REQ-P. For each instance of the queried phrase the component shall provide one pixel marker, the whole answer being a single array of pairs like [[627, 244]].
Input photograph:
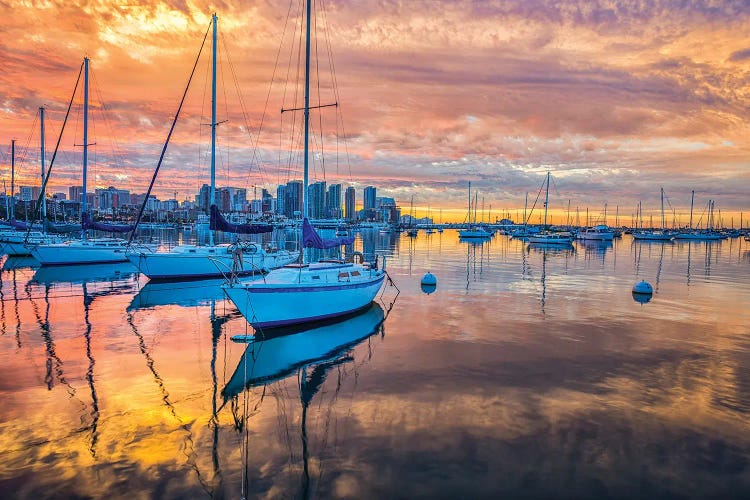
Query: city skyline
[[616, 102]]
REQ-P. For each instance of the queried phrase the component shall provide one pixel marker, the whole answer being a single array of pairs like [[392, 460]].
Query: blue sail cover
[[311, 239], [61, 227], [219, 223], [87, 223], [19, 224]]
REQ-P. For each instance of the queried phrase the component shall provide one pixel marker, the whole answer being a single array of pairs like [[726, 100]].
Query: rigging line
[[114, 145], [202, 146], [326, 38], [243, 108], [224, 161], [23, 153], [169, 136], [57, 146], [286, 87], [538, 194], [273, 78], [557, 192], [297, 87], [320, 115], [337, 96]]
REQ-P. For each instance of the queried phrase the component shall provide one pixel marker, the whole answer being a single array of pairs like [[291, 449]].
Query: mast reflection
[[310, 353]]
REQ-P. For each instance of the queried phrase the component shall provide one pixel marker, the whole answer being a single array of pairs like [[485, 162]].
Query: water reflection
[[311, 354], [548, 251], [546, 373], [20, 263], [177, 293], [594, 249], [120, 279], [93, 273], [476, 253]]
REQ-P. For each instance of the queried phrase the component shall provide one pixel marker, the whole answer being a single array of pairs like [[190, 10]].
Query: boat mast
[[411, 212], [525, 203], [44, 197], [84, 208], [546, 200], [662, 209], [692, 200], [307, 111], [640, 213], [212, 201], [12, 179], [476, 202], [468, 215], [605, 214]]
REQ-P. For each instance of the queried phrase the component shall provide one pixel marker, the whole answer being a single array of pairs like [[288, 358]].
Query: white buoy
[[643, 287]]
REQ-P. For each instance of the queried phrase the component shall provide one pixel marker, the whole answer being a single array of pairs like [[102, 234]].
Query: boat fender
[[354, 256]]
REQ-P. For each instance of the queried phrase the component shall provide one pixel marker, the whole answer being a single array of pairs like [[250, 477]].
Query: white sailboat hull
[[287, 300], [551, 240], [699, 236], [596, 236], [196, 262], [14, 244], [653, 236], [93, 251], [474, 233]]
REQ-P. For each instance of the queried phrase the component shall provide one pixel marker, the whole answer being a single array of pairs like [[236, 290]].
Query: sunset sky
[[615, 98]]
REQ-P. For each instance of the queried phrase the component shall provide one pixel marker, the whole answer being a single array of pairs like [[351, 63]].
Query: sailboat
[[655, 235], [693, 234], [412, 231], [309, 291], [85, 250], [548, 237], [600, 232], [213, 260], [473, 232], [19, 240]]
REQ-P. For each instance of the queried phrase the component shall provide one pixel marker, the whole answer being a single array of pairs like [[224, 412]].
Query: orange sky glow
[[615, 98]]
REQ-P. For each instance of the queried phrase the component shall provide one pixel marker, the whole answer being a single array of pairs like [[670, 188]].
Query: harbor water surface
[[529, 372]]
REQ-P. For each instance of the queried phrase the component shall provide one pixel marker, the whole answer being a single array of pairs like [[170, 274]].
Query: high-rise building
[[333, 202], [280, 197], [111, 197], [75, 193], [203, 197], [387, 209], [350, 203], [239, 199], [26, 193], [225, 197], [267, 200], [293, 199], [316, 200], [370, 197]]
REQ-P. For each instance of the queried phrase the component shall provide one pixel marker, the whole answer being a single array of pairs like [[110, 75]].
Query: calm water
[[530, 372]]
